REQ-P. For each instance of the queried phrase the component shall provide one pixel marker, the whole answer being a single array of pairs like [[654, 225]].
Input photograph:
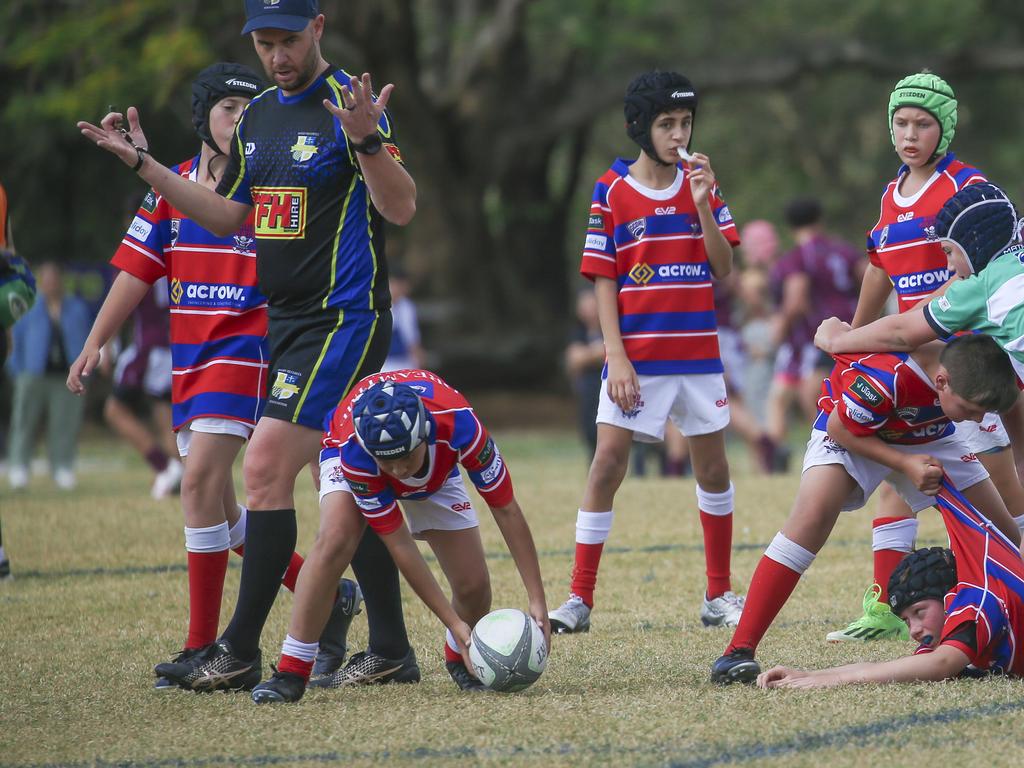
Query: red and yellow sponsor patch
[[393, 150], [280, 212]]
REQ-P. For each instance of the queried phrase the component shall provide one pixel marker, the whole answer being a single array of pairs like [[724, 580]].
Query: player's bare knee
[[608, 467]]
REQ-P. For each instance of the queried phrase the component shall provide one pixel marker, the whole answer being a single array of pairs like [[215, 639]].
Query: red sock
[[886, 561], [295, 666], [292, 574], [770, 587], [450, 655], [584, 571], [717, 552], [205, 588]]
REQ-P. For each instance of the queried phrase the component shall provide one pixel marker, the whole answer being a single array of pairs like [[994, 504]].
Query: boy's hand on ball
[[539, 612], [463, 636]]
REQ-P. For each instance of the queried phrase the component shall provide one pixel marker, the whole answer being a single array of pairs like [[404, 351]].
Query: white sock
[[212, 539], [237, 532], [298, 649], [593, 527], [718, 504], [898, 535], [790, 554]]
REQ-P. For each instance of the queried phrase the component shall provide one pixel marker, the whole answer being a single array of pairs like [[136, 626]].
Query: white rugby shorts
[[211, 426], [987, 437], [960, 463], [447, 509], [696, 402]]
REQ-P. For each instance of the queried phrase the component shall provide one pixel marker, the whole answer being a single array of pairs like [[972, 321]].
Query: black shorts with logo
[[316, 358]]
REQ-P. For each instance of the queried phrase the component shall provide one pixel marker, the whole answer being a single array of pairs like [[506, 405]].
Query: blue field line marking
[[145, 570], [717, 755]]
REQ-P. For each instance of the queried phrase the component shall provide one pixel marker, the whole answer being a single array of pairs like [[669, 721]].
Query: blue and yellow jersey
[[320, 241]]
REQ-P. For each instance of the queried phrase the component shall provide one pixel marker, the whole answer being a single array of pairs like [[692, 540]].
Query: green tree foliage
[[507, 110]]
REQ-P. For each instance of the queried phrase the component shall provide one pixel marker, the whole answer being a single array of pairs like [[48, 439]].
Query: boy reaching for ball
[[884, 416], [398, 438]]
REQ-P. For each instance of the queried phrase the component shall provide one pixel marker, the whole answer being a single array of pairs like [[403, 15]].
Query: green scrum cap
[[932, 94]]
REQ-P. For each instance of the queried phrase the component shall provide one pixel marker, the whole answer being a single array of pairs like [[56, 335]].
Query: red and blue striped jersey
[[218, 315], [990, 587], [650, 242], [899, 244], [886, 395], [456, 437]]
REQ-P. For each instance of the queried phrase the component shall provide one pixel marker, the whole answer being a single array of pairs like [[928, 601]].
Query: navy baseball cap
[[292, 15]]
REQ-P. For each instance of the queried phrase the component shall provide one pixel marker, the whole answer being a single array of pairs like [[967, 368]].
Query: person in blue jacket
[[45, 341]]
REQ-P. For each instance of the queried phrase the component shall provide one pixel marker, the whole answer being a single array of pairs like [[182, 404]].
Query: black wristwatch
[[370, 145]]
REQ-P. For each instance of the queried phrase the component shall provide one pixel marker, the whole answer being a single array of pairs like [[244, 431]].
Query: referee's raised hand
[[361, 112], [128, 144]]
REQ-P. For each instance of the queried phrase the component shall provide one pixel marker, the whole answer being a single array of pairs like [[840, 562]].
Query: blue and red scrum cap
[[390, 420]]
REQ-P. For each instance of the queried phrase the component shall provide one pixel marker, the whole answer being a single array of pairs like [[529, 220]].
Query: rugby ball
[[507, 650]]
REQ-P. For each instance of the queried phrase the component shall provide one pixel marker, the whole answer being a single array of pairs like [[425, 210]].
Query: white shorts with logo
[[211, 426], [987, 437], [696, 402], [957, 459], [447, 509]]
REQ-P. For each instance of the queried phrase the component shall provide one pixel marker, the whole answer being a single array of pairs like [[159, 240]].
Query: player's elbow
[[400, 214]]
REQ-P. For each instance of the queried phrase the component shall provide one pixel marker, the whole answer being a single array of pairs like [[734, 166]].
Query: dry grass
[[99, 596]]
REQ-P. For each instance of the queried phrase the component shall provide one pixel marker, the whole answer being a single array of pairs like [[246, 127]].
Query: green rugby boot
[[877, 623]]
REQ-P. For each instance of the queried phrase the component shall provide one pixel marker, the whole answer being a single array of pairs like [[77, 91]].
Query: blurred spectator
[[819, 277], [584, 359], [46, 340], [759, 244], [406, 350], [758, 339], [139, 407]]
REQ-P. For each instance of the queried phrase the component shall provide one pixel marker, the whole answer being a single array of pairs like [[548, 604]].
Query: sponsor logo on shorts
[[304, 147], [638, 406], [968, 458], [722, 403], [943, 303], [831, 446], [462, 506], [140, 228], [866, 390], [149, 201], [337, 475], [280, 212], [641, 273], [596, 221], [989, 428], [637, 227], [285, 386], [596, 242]]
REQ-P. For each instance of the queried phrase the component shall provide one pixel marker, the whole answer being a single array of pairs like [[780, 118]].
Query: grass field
[[99, 596]]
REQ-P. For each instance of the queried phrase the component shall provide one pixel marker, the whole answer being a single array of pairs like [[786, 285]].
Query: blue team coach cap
[[292, 15]]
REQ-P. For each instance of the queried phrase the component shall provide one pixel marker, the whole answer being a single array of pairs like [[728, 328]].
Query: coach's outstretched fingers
[[110, 135]]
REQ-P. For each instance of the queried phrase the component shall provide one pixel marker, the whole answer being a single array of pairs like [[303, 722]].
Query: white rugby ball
[[508, 650]]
